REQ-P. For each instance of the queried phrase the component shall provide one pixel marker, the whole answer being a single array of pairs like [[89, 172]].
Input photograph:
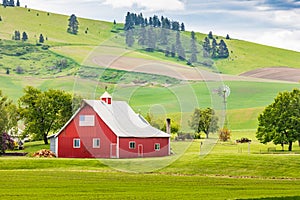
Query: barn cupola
[[106, 97]]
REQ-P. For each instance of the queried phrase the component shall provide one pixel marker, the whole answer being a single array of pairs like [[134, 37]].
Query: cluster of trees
[[10, 3], [17, 36], [42, 112], [213, 49], [152, 39], [280, 121], [133, 19]]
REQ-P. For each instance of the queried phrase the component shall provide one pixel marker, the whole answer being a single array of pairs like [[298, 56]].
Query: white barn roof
[[123, 121]]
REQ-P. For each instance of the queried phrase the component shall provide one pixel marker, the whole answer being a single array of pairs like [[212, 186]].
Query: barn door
[[140, 150], [113, 150]]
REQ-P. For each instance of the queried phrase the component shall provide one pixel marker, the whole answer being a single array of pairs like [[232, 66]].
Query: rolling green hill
[[65, 62]]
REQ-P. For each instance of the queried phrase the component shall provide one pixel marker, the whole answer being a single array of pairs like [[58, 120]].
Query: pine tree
[[142, 37], [163, 36], [17, 35], [41, 38], [129, 22], [24, 36], [182, 27], [206, 47], [194, 50], [73, 25], [214, 48], [175, 26], [223, 50], [179, 48], [18, 3], [173, 50], [227, 37], [5, 3], [151, 40], [129, 38], [210, 35], [11, 3]]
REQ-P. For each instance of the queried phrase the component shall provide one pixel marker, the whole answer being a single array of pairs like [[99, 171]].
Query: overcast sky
[[270, 22]]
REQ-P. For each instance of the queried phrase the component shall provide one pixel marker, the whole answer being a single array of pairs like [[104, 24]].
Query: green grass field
[[227, 172]]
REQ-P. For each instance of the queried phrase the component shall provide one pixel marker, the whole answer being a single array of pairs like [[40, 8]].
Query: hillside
[[151, 82], [244, 56]]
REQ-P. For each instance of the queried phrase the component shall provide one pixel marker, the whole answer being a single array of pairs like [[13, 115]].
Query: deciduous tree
[[44, 112], [280, 121], [204, 120]]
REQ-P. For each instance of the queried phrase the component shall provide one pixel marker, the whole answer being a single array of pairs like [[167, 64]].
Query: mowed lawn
[[229, 171]]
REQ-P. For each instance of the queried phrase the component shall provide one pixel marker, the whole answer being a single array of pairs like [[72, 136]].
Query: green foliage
[[224, 134], [41, 38], [44, 112], [8, 114], [204, 120], [73, 25], [280, 121]]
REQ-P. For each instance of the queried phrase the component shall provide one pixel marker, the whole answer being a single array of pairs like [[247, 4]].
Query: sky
[[270, 22]]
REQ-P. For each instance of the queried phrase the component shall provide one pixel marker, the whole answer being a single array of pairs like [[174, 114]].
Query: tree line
[[10, 3], [213, 49], [133, 19]]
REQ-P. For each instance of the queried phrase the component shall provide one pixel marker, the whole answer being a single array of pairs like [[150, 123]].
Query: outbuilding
[[108, 129]]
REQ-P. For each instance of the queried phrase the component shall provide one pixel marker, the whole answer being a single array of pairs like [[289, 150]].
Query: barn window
[[156, 146], [76, 143], [96, 142], [131, 145], [86, 120]]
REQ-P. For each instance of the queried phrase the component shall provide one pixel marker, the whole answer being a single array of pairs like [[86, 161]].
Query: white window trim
[[76, 147], [134, 144], [158, 146], [94, 146]]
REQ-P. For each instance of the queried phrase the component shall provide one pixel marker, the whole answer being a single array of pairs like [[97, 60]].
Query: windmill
[[224, 91]]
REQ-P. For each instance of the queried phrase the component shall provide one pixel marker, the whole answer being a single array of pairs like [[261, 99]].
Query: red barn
[[108, 129]]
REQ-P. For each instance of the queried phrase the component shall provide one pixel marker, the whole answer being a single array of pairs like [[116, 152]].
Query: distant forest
[[164, 35]]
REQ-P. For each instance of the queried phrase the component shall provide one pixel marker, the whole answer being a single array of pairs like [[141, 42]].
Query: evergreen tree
[[11, 3], [150, 21], [163, 36], [210, 35], [175, 26], [151, 40], [227, 37], [167, 51], [24, 36], [0, 19], [73, 25], [17, 35], [206, 47], [214, 48], [114, 22], [41, 38], [223, 50], [182, 27], [128, 22], [18, 3], [173, 50], [156, 21], [5, 3], [142, 38], [179, 48], [129, 38], [194, 50]]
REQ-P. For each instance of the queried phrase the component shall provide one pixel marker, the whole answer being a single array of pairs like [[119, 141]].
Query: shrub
[[224, 134]]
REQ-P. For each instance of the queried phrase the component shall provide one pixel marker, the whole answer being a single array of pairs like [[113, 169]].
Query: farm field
[[225, 173]]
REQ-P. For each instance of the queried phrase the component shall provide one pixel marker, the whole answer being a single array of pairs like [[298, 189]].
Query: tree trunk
[[282, 147], [290, 146], [206, 135], [45, 139], [299, 142]]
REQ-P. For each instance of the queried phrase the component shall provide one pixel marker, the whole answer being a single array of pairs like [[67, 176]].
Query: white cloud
[[153, 5]]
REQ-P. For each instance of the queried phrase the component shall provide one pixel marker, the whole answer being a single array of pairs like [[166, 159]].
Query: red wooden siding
[[86, 135], [146, 145]]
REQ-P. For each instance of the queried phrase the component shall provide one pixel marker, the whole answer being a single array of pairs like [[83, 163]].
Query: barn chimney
[[106, 97], [168, 125]]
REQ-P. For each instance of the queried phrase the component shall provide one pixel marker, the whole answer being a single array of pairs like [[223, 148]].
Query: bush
[[224, 134]]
